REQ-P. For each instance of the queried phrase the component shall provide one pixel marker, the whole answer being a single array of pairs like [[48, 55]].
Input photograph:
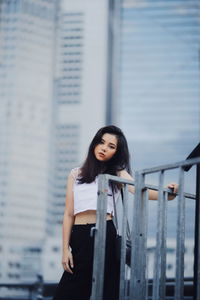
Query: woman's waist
[[88, 217]]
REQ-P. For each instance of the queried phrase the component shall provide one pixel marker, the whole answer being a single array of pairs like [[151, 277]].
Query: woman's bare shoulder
[[75, 172], [124, 174]]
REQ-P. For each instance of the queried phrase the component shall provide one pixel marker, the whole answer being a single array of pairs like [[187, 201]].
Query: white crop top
[[85, 195]]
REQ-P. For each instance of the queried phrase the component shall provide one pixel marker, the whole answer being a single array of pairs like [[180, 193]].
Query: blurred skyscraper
[[53, 76], [159, 93], [26, 71], [157, 102], [80, 88]]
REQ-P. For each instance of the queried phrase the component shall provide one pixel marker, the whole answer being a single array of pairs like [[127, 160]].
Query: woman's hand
[[67, 261], [174, 187]]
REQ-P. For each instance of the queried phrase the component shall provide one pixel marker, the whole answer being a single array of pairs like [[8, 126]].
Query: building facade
[[80, 85], [27, 38], [158, 104]]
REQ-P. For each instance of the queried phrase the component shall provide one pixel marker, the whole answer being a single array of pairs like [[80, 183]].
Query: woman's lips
[[101, 154]]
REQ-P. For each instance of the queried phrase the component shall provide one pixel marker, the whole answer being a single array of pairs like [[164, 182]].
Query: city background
[[66, 69]]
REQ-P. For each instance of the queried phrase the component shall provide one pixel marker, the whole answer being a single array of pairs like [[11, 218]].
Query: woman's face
[[106, 148]]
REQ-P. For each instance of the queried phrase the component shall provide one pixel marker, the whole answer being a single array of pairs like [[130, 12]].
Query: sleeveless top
[[86, 194]]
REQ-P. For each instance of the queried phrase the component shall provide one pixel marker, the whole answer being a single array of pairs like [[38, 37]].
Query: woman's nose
[[103, 148]]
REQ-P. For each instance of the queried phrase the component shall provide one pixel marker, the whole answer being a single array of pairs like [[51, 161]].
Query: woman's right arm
[[68, 221]]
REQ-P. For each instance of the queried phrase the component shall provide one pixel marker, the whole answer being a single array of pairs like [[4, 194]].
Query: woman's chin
[[100, 158]]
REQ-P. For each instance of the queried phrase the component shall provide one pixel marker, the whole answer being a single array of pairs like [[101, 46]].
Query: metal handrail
[[138, 286], [184, 163]]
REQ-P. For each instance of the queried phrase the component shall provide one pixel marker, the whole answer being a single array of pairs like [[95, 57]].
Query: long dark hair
[[120, 160]]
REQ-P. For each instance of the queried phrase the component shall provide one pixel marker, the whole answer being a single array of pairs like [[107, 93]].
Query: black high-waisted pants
[[77, 286]]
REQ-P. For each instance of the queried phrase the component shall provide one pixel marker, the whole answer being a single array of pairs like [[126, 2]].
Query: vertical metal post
[[159, 277], [180, 240], [145, 223], [163, 248], [100, 238], [138, 257], [123, 246], [197, 238], [135, 268]]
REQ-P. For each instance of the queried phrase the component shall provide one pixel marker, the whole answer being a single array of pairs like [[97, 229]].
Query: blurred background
[[68, 68]]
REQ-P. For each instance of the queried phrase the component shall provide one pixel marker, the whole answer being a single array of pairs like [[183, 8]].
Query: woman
[[108, 154]]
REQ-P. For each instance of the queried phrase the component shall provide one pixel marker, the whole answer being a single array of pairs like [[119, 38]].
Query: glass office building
[[159, 106], [53, 80], [79, 88], [80, 84], [26, 66], [158, 103]]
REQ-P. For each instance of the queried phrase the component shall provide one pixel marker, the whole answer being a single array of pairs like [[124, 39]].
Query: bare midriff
[[88, 217]]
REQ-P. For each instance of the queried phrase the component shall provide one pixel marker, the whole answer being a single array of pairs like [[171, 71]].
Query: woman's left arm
[[153, 195]]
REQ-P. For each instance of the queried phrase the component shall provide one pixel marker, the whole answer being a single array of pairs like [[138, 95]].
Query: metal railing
[[137, 288]]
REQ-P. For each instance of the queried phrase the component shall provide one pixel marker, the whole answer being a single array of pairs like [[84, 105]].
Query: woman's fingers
[[68, 264], [173, 186], [66, 267], [71, 262]]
